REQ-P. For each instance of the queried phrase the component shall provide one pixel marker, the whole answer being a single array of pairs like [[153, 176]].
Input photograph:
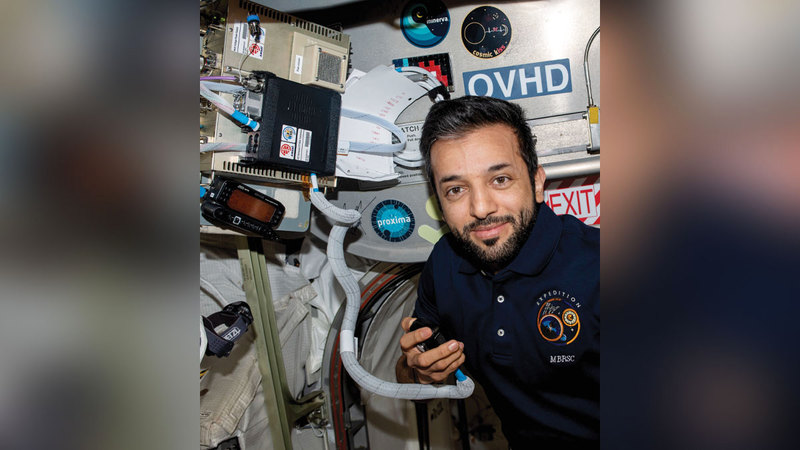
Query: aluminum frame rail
[[282, 409]]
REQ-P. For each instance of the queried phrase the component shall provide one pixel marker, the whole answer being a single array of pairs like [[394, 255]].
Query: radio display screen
[[251, 206]]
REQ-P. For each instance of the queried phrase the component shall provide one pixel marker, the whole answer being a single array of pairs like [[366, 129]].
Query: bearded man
[[515, 286]]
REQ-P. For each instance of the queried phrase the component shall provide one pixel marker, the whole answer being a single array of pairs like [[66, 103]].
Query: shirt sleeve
[[425, 307]]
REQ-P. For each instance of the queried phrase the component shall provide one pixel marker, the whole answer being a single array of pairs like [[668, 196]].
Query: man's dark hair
[[455, 118]]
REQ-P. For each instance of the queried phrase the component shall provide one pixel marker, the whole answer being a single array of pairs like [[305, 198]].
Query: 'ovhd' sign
[[526, 80]]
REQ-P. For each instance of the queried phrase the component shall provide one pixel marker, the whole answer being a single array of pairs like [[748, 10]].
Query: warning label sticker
[[242, 42], [303, 145], [287, 150], [295, 143]]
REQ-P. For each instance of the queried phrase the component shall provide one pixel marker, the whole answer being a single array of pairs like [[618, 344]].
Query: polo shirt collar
[[537, 250]]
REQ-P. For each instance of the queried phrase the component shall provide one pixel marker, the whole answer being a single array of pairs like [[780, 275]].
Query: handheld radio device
[[436, 339], [233, 205]]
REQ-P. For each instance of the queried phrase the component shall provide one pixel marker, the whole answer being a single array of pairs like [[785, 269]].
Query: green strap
[[282, 410]]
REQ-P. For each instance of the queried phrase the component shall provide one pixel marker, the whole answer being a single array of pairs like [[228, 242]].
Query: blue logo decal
[[392, 220], [288, 133], [525, 80], [425, 23]]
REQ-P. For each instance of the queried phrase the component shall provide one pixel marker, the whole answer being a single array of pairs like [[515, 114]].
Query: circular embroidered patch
[[558, 321]]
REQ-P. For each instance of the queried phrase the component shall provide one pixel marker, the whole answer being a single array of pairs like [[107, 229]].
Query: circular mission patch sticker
[[393, 221]]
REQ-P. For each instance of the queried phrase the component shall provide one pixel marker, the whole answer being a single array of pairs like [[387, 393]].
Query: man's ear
[[538, 184]]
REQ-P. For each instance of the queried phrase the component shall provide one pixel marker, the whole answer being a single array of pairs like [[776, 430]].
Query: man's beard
[[496, 256]]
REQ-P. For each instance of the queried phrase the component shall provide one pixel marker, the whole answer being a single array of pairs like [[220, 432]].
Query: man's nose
[[483, 203]]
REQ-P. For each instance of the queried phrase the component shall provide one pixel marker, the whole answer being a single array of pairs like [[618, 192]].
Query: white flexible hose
[[218, 101], [430, 81], [224, 87], [222, 146], [366, 147], [408, 162], [223, 105], [343, 220], [203, 340]]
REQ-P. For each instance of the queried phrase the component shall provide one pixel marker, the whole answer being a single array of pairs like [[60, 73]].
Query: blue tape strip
[[244, 120]]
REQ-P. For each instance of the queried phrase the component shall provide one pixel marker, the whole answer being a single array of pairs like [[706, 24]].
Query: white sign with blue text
[[525, 80]]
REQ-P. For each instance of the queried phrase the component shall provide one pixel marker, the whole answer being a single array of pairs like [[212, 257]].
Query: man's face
[[485, 193]]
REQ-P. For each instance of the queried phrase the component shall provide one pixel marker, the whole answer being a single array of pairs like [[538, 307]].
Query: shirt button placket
[[500, 331]]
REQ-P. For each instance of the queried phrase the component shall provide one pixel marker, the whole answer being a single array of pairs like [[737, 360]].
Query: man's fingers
[[449, 366], [456, 364], [443, 365], [436, 364], [443, 351], [406, 323], [410, 340]]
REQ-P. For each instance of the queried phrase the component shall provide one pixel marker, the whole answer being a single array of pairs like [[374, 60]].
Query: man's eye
[[455, 190], [502, 180]]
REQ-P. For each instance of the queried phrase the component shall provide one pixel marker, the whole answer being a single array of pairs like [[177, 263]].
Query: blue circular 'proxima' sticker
[[393, 221]]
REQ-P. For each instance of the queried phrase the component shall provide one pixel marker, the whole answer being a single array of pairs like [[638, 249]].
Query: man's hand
[[433, 366]]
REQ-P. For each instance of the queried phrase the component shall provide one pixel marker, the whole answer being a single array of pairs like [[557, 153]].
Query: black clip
[[436, 339], [228, 444], [441, 89], [241, 309]]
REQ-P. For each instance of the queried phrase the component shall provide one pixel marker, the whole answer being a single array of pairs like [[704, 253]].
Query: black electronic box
[[299, 127]]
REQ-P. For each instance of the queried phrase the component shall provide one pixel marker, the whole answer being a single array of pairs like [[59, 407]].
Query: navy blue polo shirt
[[531, 332]]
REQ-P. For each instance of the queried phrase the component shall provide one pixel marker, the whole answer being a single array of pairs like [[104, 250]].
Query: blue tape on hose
[[244, 120], [460, 375]]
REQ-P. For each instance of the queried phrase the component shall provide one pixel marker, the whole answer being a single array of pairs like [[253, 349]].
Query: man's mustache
[[491, 220]]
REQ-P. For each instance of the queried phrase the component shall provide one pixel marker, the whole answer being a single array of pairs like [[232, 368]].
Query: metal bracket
[[283, 410]]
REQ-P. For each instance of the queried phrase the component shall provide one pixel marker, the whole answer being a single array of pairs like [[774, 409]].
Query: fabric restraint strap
[[237, 317]]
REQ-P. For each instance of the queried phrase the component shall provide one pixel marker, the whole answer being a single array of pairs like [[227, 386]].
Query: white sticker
[[298, 64], [288, 133], [256, 50], [290, 199], [413, 132], [286, 151], [242, 42], [239, 38], [303, 145]]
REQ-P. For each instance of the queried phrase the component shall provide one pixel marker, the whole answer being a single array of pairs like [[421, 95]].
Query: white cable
[[415, 163], [343, 220], [203, 340], [223, 87], [218, 101], [223, 105], [428, 82], [366, 147], [222, 147]]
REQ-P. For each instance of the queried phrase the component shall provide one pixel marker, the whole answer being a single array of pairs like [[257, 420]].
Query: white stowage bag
[[231, 387], [231, 395], [226, 392]]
